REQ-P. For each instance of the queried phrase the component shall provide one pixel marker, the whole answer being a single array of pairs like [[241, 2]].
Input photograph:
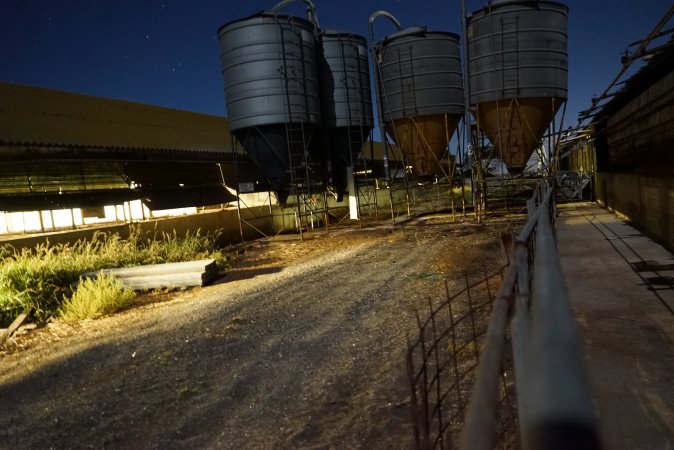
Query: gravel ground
[[301, 345]]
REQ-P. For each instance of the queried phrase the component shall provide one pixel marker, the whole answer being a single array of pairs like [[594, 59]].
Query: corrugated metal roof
[[31, 115]]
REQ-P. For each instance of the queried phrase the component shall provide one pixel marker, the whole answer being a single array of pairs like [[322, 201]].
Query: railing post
[[519, 327]]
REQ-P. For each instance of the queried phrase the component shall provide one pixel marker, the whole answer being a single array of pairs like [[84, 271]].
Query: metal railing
[[529, 389], [554, 402]]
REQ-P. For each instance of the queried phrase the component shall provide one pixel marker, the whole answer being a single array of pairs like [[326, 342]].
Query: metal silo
[[518, 73], [346, 99], [421, 94], [272, 94]]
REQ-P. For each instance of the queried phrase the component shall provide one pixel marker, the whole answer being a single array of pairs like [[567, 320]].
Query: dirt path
[[301, 346]]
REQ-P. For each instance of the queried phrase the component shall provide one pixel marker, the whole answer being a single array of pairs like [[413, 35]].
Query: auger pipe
[[311, 10], [377, 75]]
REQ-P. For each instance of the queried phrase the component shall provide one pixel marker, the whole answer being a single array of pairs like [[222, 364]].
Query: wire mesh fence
[[473, 344], [442, 363]]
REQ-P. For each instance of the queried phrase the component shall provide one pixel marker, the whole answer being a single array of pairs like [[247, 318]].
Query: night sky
[[165, 52]]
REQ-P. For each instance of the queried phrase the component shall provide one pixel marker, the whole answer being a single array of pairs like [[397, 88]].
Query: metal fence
[[504, 369], [442, 363]]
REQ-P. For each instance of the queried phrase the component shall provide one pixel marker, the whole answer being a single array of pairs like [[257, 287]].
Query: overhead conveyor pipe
[[386, 14], [377, 75], [311, 10]]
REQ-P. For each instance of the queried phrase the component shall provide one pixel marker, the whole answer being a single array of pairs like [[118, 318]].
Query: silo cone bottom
[[521, 122], [423, 141]]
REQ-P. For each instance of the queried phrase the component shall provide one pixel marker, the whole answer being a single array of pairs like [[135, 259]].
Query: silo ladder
[[510, 47]]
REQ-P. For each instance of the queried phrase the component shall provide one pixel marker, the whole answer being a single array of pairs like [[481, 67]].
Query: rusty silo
[[517, 53], [346, 99], [421, 93], [272, 93]]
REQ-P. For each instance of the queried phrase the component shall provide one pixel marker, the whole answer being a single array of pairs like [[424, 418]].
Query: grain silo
[[421, 94], [346, 99], [272, 94], [517, 53]]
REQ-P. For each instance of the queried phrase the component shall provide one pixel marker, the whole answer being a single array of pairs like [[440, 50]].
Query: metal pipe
[[388, 15], [519, 331], [466, 79], [554, 398], [311, 10], [377, 76], [559, 401], [477, 179]]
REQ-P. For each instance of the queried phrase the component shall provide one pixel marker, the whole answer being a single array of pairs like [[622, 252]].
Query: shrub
[[42, 277], [95, 297]]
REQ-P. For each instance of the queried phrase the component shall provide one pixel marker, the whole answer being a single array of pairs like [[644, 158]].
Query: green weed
[[40, 279], [95, 297]]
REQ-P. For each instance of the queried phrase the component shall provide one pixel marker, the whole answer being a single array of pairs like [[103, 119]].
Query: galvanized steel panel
[[269, 70], [345, 80], [420, 74], [517, 50]]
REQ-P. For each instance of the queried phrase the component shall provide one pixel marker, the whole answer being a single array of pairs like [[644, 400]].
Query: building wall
[[646, 200], [225, 221], [582, 159], [634, 140], [256, 220], [640, 134]]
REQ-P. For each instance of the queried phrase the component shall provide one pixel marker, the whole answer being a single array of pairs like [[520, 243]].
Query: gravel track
[[301, 346]]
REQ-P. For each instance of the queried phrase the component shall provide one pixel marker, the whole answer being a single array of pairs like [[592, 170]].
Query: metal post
[[468, 135], [6, 216], [376, 200], [39, 213], [299, 214], [232, 143], [326, 215], [72, 218], [238, 211], [380, 109], [520, 332], [377, 78], [271, 212]]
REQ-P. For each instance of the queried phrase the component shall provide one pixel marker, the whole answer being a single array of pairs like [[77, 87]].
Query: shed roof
[[37, 116], [659, 64]]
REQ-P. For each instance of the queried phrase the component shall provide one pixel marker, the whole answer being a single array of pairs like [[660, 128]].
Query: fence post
[[519, 327]]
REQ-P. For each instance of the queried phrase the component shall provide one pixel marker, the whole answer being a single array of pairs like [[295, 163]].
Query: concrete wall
[[257, 221], [646, 200]]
